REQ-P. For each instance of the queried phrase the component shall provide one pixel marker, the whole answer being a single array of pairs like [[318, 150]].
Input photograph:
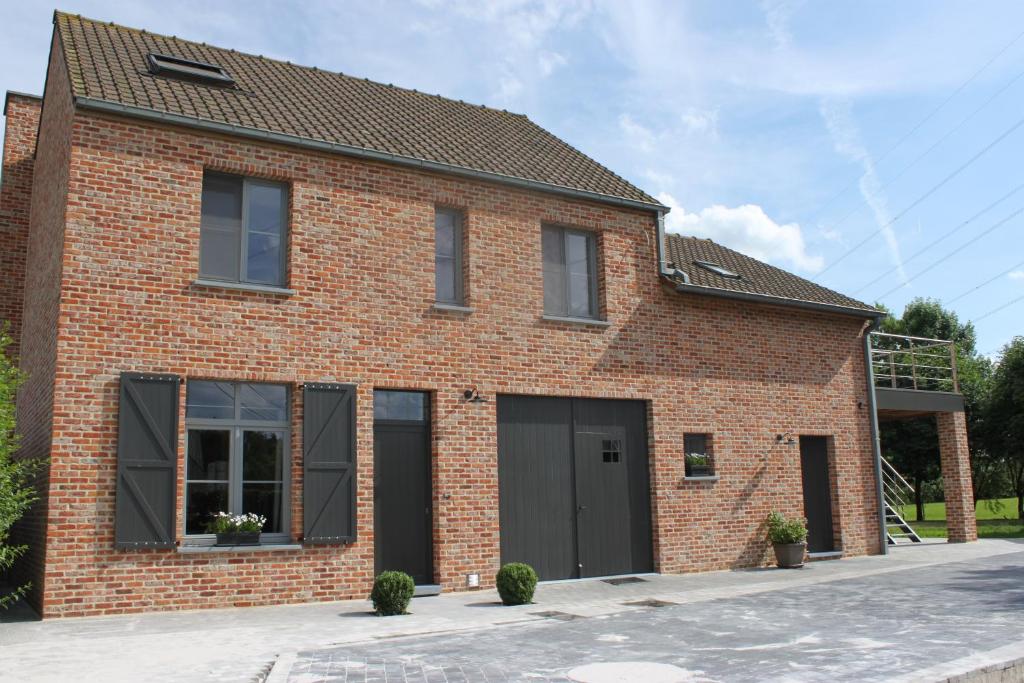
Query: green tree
[[912, 445], [16, 490], [1004, 425]]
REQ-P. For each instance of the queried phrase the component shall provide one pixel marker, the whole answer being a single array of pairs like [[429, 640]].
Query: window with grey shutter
[[570, 272], [329, 463], [147, 458], [242, 236]]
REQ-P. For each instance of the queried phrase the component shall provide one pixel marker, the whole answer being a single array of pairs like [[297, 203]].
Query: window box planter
[[238, 538]]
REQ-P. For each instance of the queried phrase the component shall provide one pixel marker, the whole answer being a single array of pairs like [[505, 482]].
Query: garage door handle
[[581, 508]]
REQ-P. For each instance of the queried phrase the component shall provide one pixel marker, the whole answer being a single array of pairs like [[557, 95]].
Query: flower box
[[238, 538]]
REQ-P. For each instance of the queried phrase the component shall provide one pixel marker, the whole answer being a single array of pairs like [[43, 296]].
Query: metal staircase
[[897, 493]]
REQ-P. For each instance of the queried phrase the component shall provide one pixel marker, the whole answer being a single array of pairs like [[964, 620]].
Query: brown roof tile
[[108, 62], [756, 278]]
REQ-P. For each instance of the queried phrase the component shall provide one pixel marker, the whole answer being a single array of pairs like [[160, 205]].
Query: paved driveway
[[860, 618], [863, 629]]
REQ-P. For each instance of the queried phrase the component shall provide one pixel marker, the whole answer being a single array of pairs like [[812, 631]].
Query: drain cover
[[624, 672], [624, 579], [561, 616], [650, 603]]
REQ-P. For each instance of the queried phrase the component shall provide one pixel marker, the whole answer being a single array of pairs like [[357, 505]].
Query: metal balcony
[[914, 375]]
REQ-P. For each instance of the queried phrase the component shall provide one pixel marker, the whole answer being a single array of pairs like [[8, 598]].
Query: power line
[[998, 308], [956, 251], [986, 282], [935, 188], [927, 118], [947, 235]]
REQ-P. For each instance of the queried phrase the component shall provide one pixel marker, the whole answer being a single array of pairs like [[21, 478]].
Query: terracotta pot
[[789, 555]]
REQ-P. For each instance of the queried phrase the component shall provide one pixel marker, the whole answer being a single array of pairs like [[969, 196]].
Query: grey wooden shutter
[[147, 461], [329, 463]]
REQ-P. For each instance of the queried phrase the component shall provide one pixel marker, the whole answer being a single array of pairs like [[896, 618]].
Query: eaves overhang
[[821, 307], [209, 125]]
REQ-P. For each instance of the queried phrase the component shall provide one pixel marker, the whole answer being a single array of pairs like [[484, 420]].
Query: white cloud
[[847, 142], [1017, 275], [547, 62], [777, 14], [638, 135], [700, 121], [747, 229]]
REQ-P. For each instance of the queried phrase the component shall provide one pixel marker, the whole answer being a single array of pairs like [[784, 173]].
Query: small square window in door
[[611, 450]]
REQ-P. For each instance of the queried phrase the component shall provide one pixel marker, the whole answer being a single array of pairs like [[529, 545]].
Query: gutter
[[686, 288], [360, 152], [876, 443]]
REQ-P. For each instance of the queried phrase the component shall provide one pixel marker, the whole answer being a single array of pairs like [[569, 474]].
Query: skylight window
[[718, 270], [176, 67]]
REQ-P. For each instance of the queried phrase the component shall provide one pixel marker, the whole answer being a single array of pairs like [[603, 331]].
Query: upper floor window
[[448, 287], [243, 230], [570, 272]]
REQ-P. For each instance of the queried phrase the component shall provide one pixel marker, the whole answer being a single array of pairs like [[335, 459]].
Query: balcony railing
[[915, 363]]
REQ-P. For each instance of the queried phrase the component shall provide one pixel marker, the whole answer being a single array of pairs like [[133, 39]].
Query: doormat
[[625, 579], [560, 616], [650, 603]]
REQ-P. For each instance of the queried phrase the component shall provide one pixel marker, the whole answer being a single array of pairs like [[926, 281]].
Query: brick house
[[414, 333]]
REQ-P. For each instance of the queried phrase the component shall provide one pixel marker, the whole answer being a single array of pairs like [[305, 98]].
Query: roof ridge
[[285, 62]]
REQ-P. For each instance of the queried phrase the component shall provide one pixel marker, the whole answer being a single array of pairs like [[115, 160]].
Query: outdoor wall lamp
[[786, 438], [472, 395]]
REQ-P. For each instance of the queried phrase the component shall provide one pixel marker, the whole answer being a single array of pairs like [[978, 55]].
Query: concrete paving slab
[[242, 644]]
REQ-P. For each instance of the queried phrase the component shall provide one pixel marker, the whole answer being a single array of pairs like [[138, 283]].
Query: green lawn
[[996, 519]]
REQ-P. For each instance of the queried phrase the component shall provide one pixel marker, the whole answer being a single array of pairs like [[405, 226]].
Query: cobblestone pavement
[[860, 629]]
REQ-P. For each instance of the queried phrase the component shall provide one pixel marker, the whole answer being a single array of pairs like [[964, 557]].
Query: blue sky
[[793, 131]]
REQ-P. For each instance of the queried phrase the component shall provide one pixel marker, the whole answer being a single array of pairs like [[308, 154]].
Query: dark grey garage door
[[574, 486]]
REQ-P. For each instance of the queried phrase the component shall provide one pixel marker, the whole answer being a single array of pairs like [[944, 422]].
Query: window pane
[[554, 272], [695, 443], [210, 400], [262, 456], [267, 402], [578, 249], [444, 280], [263, 263], [221, 226], [444, 239], [266, 208], [399, 405], [266, 500], [208, 454], [202, 502]]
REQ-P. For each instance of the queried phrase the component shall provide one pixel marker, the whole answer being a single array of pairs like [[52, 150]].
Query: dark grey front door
[[574, 486], [402, 500], [817, 493]]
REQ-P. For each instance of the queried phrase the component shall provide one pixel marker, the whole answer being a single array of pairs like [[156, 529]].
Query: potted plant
[[698, 465], [237, 529], [788, 536]]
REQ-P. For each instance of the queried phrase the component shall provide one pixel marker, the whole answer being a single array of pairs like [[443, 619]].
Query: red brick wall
[[21, 124], [40, 320], [361, 264], [955, 456]]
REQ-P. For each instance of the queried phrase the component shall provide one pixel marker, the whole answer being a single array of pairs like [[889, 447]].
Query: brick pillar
[[956, 477]]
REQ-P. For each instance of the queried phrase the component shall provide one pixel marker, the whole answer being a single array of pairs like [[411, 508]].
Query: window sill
[[454, 308], [704, 477], [576, 321], [243, 287], [263, 547]]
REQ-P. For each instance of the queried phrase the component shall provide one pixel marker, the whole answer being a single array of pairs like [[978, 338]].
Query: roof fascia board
[[778, 301], [361, 152]]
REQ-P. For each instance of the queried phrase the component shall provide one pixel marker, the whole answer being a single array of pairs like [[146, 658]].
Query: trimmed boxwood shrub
[[391, 593], [516, 583]]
